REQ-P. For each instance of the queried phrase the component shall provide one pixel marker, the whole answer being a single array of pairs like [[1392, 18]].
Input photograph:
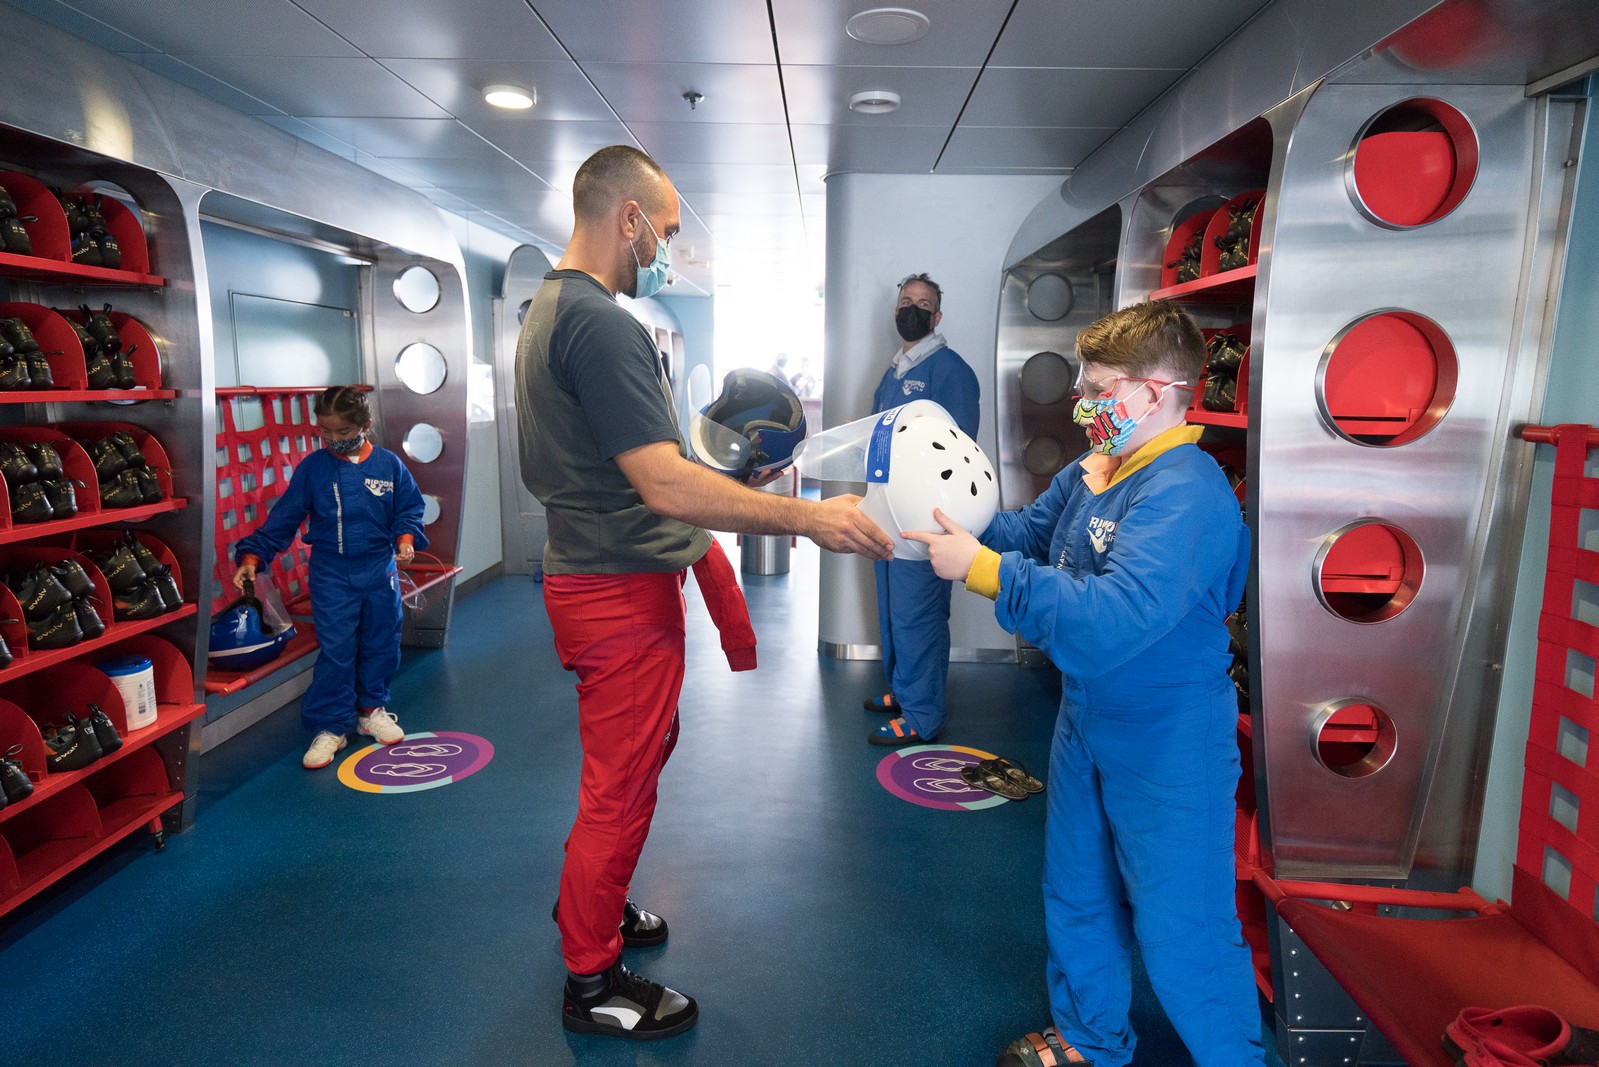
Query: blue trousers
[[358, 622], [913, 617], [1139, 847]]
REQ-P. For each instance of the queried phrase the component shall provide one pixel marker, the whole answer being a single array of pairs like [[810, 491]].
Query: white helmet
[[918, 460]]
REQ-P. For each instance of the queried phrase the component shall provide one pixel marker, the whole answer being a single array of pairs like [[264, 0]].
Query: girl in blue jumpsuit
[[1124, 572], [365, 512]]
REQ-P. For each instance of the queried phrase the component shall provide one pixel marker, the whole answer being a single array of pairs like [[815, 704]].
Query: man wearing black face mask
[[912, 601]]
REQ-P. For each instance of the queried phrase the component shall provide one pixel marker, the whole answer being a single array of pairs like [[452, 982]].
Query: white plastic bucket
[[134, 677]]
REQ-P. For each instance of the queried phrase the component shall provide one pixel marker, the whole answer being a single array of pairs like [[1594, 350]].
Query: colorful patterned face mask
[[1107, 420]]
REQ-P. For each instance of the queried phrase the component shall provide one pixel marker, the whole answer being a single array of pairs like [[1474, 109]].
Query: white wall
[[880, 228]]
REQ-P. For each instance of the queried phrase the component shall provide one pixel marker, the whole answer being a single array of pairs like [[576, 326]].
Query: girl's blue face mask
[[652, 278], [347, 447]]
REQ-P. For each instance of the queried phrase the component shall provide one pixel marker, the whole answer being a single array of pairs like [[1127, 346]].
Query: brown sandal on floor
[[993, 781], [1040, 1050], [1015, 772]]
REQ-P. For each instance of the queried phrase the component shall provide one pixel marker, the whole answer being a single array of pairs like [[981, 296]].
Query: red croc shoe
[[1530, 1031]]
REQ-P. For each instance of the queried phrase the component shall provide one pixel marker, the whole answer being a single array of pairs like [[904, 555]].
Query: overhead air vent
[[887, 25]]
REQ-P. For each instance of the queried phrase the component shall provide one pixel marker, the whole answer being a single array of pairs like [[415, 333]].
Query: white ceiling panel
[[204, 84], [88, 27], [1091, 33], [761, 205], [407, 138], [649, 31], [395, 85], [184, 27], [315, 86], [562, 93], [929, 96], [873, 149], [428, 29], [713, 142], [654, 92], [959, 33], [1034, 96], [744, 178], [525, 137], [977, 149]]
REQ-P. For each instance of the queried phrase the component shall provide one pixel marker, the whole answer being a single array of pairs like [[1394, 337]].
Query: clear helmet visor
[[717, 446]]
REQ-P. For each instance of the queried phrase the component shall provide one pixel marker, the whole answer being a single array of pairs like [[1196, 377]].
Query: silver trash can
[[764, 553]]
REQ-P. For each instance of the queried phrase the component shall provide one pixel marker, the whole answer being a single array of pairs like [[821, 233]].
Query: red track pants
[[623, 635]]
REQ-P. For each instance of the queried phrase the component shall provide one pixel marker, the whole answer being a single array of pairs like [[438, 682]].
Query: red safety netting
[[1559, 836], [253, 470], [1411, 976]]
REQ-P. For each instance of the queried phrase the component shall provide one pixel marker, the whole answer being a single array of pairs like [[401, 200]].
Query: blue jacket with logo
[[940, 376], [1128, 590], [356, 512]]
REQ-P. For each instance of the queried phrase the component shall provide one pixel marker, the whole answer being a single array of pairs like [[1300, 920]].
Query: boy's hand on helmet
[[952, 551], [245, 573], [838, 526]]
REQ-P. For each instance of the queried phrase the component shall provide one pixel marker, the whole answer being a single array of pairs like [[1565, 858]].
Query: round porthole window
[[1044, 456], [1049, 297], [1353, 738], [1413, 164], [424, 443], [417, 289], [1387, 379], [430, 509], [521, 311], [1046, 378], [1368, 571], [421, 367]]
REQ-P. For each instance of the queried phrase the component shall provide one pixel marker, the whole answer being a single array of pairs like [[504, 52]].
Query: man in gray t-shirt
[[627, 510]]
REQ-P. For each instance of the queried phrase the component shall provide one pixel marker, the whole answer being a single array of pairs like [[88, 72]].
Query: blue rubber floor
[[817, 918]]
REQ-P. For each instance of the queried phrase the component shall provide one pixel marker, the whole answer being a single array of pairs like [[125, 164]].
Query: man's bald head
[[613, 175]]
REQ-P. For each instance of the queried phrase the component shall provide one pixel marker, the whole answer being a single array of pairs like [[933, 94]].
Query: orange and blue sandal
[[1040, 1050], [886, 702], [896, 732]]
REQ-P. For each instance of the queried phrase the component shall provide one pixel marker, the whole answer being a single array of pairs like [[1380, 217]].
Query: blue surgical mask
[[653, 277]]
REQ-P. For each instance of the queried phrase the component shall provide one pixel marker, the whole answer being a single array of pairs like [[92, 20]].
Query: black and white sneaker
[[629, 1006]]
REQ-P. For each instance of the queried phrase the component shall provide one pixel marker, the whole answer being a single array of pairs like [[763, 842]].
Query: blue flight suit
[[1127, 590], [912, 601], [357, 511]]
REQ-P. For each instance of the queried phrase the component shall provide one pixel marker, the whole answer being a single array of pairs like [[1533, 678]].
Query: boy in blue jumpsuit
[[366, 513], [1124, 572], [912, 601]]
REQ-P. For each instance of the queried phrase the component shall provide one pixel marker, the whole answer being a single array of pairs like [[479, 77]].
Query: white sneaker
[[323, 746], [381, 726]]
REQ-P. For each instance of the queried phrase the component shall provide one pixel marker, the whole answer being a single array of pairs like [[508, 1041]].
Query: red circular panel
[[1387, 379], [1414, 163]]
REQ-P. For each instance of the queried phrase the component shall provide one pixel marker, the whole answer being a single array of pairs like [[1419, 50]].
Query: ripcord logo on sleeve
[[1101, 532]]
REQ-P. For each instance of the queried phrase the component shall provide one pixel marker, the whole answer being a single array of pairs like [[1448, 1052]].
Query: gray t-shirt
[[589, 387]]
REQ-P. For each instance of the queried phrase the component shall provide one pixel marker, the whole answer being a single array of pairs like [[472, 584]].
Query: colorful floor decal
[[930, 775], [421, 761]]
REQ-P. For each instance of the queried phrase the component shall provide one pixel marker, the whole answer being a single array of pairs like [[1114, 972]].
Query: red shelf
[[1228, 287], [114, 632], [42, 867], [1217, 418], [169, 717], [15, 266], [45, 396], [28, 531]]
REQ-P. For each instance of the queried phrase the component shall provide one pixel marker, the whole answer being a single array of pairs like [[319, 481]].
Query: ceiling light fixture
[[511, 97], [887, 25], [874, 101]]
